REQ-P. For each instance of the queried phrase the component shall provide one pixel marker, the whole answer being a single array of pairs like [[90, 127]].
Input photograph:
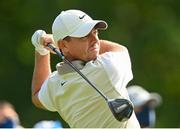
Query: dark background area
[[150, 29]]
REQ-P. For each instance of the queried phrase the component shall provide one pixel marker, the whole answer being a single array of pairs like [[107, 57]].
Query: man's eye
[[93, 32], [96, 32], [84, 37]]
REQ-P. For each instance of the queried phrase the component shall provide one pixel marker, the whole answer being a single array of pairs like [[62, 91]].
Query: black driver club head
[[122, 109]]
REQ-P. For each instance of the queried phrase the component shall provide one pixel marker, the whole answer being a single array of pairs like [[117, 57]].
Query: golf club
[[121, 108]]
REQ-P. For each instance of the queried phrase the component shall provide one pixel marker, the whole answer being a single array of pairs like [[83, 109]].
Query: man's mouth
[[94, 48]]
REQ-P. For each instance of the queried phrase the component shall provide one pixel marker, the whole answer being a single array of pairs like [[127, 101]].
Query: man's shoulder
[[54, 76], [110, 54]]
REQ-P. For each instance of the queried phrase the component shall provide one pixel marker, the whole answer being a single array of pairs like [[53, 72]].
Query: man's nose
[[94, 38]]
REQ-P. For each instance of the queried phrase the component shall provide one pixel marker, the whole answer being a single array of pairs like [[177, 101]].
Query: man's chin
[[93, 57]]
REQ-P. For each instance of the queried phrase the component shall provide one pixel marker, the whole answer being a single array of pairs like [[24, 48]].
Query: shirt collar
[[64, 68]]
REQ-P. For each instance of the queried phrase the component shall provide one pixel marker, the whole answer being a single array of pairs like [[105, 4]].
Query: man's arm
[[41, 72], [107, 46], [42, 68]]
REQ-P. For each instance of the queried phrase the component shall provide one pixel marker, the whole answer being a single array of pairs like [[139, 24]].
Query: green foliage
[[149, 29]]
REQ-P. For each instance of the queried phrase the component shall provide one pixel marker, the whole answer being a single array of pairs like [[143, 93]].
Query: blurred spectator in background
[[49, 124], [8, 116], [144, 105]]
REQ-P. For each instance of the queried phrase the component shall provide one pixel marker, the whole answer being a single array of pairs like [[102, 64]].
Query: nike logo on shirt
[[62, 83]]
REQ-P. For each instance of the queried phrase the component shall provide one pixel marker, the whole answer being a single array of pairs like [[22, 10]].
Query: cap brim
[[85, 29]]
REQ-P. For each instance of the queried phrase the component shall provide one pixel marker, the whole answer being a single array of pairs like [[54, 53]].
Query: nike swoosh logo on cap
[[81, 17]]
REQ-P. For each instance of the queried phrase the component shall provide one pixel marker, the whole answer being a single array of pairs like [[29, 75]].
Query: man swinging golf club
[[88, 89]]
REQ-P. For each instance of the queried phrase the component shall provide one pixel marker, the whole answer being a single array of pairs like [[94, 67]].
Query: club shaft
[[77, 70]]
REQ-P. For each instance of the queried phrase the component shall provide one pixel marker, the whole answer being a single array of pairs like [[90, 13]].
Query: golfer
[[104, 63]]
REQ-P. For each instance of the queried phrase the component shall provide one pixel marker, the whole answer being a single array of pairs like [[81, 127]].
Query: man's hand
[[40, 39]]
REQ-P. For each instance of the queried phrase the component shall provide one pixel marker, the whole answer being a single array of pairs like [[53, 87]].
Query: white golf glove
[[38, 42]]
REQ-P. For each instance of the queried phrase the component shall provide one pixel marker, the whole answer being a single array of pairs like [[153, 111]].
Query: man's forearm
[[41, 72], [106, 46]]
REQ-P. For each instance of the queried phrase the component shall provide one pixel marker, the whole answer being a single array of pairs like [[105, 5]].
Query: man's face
[[85, 48]]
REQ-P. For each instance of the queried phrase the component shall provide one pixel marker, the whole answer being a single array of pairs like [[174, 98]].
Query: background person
[[105, 63], [48, 124], [144, 105], [8, 116]]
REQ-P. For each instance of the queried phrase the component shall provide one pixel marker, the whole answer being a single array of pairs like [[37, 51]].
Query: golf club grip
[[56, 51], [77, 70]]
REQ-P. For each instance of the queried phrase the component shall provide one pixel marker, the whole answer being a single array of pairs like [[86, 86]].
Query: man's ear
[[63, 46]]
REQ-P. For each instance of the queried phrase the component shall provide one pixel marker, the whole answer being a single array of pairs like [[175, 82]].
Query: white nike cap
[[74, 23], [139, 96]]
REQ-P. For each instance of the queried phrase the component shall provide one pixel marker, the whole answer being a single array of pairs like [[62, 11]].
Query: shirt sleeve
[[118, 67], [45, 96]]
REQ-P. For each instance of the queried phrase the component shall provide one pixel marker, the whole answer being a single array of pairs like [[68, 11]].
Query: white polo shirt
[[81, 106]]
